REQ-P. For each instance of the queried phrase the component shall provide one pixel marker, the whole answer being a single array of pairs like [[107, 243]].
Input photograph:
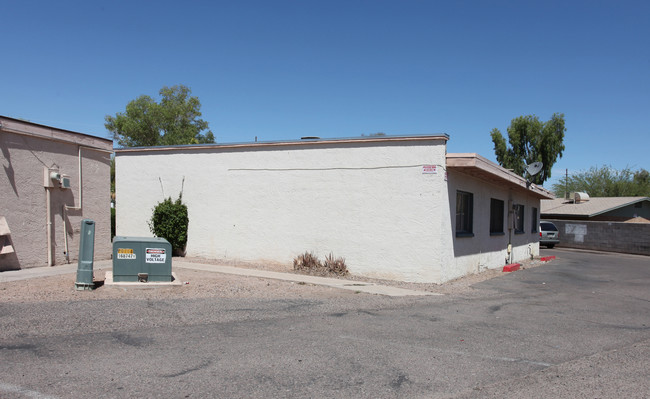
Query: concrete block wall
[[632, 238]]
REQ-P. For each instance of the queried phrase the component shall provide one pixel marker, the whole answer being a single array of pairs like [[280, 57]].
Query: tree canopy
[[175, 120], [606, 181], [531, 140]]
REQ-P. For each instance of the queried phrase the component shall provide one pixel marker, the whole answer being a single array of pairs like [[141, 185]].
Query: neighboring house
[[611, 209], [617, 224], [397, 208], [51, 180]]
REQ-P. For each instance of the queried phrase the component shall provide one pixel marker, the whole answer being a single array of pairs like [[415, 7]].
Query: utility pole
[[566, 184]]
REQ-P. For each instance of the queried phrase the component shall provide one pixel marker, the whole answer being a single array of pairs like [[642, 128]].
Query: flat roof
[[475, 165], [19, 126], [311, 141]]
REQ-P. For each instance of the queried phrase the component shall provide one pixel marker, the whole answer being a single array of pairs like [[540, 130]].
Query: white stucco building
[[394, 207]]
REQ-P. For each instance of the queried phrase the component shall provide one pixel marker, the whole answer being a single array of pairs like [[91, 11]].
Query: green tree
[[531, 140], [175, 120], [112, 175], [606, 181]]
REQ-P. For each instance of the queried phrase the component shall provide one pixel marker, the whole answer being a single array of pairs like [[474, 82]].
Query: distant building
[[396, 208], [612, 209], [51, 180], [616, 224]]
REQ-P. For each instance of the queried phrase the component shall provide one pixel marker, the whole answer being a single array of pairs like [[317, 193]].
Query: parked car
[[548, 234]]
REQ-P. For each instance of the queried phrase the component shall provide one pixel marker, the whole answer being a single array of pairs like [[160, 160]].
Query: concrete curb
[[511, 267]]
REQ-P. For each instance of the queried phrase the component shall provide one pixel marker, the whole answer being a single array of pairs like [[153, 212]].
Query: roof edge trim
[[474, 161], [292, 143]]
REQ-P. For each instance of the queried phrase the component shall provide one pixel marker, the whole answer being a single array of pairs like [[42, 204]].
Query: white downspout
[[74, 208], [48, 224]]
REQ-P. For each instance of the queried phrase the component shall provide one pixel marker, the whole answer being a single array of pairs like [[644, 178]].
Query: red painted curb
[[547, 258], [511, 267]]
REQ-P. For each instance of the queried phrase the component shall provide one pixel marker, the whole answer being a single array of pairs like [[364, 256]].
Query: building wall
[[640, 209], [483, 250], [23, 199], [631, 238], [370, 203]]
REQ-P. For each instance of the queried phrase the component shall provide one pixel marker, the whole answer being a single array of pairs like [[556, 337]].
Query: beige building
[[394, 207], [51, 180]]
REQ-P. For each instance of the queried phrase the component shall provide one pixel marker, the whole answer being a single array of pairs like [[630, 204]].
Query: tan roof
[[595, 206], [27, 128], [475, 165]]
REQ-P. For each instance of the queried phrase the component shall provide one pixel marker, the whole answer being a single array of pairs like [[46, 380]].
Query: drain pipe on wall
[[48, 225], [510, 219], [73, 208]]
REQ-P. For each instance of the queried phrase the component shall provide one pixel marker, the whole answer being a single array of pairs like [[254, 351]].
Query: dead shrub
[[308, 263], [335, 265]]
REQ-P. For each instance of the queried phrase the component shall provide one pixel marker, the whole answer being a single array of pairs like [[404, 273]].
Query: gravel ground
[[202, 284]]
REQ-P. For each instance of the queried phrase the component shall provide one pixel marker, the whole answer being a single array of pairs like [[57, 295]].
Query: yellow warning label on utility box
[[125, 253]]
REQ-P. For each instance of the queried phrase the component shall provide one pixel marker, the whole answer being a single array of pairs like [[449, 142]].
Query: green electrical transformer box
[[142, 259]]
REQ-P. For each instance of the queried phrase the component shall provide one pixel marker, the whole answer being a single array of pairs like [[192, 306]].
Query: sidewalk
[[105, 265]]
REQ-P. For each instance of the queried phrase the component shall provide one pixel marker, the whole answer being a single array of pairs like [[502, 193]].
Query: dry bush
[[336, 265], [308, 263]]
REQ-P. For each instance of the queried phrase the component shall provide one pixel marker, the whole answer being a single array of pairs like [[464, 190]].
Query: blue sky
[[286, 69]]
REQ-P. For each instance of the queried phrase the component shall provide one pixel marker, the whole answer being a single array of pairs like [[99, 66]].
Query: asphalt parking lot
[[576, 327]]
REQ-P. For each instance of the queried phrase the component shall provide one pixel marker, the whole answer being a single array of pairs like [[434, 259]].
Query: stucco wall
[[370, 203], [482, 250], [631, 238], [23, 199]]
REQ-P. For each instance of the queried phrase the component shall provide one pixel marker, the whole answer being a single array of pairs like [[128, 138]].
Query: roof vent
[[580, 197]]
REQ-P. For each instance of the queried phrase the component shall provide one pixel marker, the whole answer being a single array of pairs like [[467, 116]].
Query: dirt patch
[[204, 284]]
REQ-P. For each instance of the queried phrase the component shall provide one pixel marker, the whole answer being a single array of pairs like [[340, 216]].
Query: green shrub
[[170, 221]]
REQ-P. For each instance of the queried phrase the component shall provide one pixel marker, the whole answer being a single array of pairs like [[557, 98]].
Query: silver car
[[548, 234]]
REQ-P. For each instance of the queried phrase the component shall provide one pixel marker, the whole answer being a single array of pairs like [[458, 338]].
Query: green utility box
[[86, 255], [142, 259]]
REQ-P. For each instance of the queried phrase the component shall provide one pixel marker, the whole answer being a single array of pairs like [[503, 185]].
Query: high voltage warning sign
[[155, 255]]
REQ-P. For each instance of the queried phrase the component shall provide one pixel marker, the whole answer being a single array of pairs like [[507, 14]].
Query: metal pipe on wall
[[48, 226], [74, 208]]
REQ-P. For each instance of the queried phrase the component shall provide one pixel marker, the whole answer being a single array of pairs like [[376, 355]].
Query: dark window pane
[[496, 216], [519, 218], [464, 210]]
